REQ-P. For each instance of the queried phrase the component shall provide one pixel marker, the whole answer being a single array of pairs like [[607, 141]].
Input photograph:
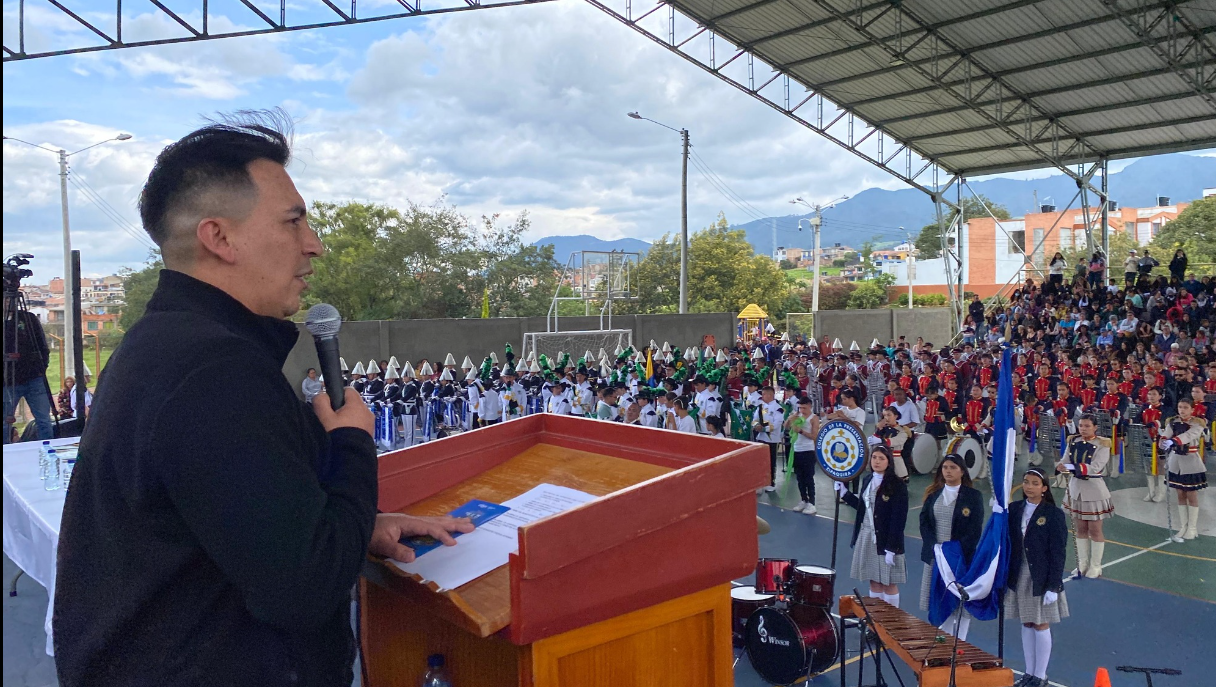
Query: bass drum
[[925, 454], [787, 646], [973, 454]]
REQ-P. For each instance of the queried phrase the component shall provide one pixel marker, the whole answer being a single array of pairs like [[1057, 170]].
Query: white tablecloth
[[31, 520]]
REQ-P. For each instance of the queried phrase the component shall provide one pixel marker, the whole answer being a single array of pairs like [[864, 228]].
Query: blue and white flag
[[985, 578]]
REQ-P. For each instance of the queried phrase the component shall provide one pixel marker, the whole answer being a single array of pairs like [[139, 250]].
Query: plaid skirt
[[1089, 510], [869, 566], [1022, 605]]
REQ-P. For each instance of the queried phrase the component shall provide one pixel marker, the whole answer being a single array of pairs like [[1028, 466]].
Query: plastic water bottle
[[69, 464], [436, 676], [51, 481], [42, 459]]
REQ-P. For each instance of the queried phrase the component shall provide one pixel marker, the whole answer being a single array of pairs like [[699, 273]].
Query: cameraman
[[29, 374]]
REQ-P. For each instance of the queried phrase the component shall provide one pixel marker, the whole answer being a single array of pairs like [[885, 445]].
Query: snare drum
[[788, 646], [743, 602], [767, 572], [812, 585], [972, 452]]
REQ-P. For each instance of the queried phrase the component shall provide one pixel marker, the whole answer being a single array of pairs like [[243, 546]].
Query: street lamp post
[[69, 325], [683, 212], [816, 222]]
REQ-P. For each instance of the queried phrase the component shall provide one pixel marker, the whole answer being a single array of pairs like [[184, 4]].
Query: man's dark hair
[[212, 159]]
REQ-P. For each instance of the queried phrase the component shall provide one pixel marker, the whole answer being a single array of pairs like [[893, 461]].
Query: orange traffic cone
[[1102, 679]]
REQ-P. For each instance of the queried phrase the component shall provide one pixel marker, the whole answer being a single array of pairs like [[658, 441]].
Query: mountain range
[[877, 214]]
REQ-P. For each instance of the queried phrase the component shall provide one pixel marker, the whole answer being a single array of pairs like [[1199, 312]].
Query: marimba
[[926, 649]]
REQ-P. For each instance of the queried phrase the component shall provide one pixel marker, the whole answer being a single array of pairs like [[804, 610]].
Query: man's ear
[[215, 237]]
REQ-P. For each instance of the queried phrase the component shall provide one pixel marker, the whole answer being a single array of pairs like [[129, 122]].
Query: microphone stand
[[958, 619]]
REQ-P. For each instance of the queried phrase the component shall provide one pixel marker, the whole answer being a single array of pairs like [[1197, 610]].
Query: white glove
[[1068, 466], [1049, 597], [840, 488], [1165, 444], [890, 557]]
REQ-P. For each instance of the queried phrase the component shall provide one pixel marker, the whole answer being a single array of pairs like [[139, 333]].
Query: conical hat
[[709, 351], [532, 354], [836, 345], [587, 356], [408, 371], [618, 351], [392, 372], [854, 346], [427, 370], [604, 371], [874, 343], [653, 346], [471, 376], [534, 367], [786, 346], [447, 375], [690, 354], [467, 364], [603, 354], [494, 357], [373, 368], [669, 357], [342, 362], [392, 361], [358, 369], [666, 347], [785, 336], [757, 354], [87, 371], [721, 358], [449, 361]]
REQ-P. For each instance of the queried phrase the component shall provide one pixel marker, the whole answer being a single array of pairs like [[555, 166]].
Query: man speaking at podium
[[215, 524]]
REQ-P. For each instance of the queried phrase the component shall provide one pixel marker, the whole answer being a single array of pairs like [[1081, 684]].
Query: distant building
[[1209, 192], [101, 303], [1011, 251]]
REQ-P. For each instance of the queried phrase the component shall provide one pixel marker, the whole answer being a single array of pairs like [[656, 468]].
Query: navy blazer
[[966, 524], [890, 512], [1043, 546]]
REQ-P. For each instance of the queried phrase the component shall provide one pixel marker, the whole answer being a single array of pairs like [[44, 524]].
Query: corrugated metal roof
[[1083, 64]]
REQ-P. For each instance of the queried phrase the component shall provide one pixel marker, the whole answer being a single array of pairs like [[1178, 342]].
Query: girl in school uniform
[[1182, 440], [1087, 497], [953, 511], [1038, 534], [878, 532]]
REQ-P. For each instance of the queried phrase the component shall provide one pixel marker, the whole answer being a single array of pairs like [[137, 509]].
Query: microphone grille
[[323, 320]]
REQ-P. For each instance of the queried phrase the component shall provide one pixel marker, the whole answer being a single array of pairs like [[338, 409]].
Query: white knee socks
[[1042, 652], [1029, 648], [877, 595], [892, 599]]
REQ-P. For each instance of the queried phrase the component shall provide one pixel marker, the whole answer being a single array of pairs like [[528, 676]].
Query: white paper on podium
[[490, 545]]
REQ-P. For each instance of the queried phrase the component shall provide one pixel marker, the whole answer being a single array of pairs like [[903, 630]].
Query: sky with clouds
[[495, 111]]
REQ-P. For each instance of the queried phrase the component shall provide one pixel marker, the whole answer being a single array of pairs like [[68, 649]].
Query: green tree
[[787, 265], [1194, 231], [868, 295], [929, 240], [139, 285], [724, 275]]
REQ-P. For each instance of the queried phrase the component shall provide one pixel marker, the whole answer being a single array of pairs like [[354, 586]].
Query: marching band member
[[976, 415], [679, 418], [559, 399], [952, 511], [1182, 439], [583, 398], [375, 386], [766, 422], [803, 427], [1151, 417], [1038, 538], [647, 415], [356, 378], [407, 405], [472, 394], [878, 531], [1087, 499], [895, 436]]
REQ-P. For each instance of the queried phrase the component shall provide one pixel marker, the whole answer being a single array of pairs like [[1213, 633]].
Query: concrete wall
[[863, 326], [434, 339]]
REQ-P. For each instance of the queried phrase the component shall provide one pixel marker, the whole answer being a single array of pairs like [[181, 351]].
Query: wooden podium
[[629, 589]]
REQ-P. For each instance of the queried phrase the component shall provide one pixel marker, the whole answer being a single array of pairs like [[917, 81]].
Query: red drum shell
[[813, 585], [743, 602], [768, 569]]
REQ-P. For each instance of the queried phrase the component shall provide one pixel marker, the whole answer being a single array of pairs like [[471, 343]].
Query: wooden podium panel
[[628, 589]]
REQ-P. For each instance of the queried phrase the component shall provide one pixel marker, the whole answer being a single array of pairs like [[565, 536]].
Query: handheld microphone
[[323, 322]]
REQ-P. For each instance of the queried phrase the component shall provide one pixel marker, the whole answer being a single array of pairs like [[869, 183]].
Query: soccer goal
[[552, 344]]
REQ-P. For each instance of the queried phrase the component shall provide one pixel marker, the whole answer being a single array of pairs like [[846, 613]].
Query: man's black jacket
[[212, 530]]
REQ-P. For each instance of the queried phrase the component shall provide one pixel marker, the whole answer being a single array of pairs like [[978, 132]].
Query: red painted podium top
[[676, 514]]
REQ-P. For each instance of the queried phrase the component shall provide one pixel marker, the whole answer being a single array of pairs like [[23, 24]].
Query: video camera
[[14, 271]]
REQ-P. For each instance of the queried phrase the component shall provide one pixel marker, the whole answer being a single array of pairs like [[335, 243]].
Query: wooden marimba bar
[[926, 649]]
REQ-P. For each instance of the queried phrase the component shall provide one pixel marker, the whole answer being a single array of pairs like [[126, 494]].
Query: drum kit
[[783, 621]]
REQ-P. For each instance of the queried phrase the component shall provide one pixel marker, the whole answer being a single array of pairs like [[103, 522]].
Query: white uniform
[[685, 424], [559, 404], [517, 393], [490, 405], [773, 416], [583, 401], [649, 417]]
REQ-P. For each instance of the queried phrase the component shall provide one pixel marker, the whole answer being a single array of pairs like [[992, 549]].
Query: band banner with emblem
[[985, 577], [842, 449]]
